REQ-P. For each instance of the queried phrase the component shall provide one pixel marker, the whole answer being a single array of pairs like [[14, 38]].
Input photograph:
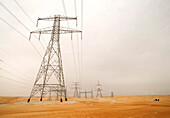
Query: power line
[[12, 73], [24, 12], [13, 80], [79, 50], [21, 35], [74, 58], [14, 68], [77, 42], [78, 56], [71, 41], [81, 59], [81, 56], [40, 42], [16, 60], [75, 8], [28, 18], [64, 7], [82, 14], [13, 27], [9, 84], [15, 17], [65, 11]]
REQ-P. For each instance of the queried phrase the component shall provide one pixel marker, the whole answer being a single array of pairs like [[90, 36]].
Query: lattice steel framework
[[112, 94], [51, 66], [99, 90], [85, 93], [76, 89]]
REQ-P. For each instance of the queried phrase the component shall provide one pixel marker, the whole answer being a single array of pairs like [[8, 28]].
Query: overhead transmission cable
[[82, 14], [24, 12], [14, 68], [13, 80], [29, 19], [78, 57], [21, 35], [75, 7], [12, 85], [81, 53], [15, 17], [17, 61], [74, 57], [10, 72], [71, 42], [13, 74], [65, 11]]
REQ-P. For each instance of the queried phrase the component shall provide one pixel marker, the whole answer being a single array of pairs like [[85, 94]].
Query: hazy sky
[[125, 45]]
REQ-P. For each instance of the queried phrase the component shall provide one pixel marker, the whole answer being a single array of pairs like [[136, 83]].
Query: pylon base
[[61, 100], [65, 99], [28, 100]]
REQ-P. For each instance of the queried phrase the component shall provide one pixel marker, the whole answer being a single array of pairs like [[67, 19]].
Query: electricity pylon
[[49, 98], [99, 89], [112, 95], [51, 66], [85, 93], [76, 89]]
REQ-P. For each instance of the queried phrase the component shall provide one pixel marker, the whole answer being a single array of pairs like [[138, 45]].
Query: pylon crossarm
[[43, 31], [62, 31], [69, 31], [49, 85], [62, 18], [56, 17], [49, 31]]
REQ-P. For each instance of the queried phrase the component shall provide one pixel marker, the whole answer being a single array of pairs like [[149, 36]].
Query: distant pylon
[[49, 98], [112, 95], [92, 93], [56, 95], [85, 93], [76, 89], [99, 90], [51, 66]]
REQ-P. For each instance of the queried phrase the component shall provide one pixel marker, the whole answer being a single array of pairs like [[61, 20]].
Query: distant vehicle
[[156, 100]]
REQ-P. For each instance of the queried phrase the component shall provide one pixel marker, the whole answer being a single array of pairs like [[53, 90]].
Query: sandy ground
[[117, 107]]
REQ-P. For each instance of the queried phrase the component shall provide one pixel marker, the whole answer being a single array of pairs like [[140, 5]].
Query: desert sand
[[117, 107]]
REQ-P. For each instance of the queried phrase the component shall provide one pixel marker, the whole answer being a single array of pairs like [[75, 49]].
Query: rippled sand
[[119, 106]]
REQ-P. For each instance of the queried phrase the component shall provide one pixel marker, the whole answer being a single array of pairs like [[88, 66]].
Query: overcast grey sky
[[125, 45]]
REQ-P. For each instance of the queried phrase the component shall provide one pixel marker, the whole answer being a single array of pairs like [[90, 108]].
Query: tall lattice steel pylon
[[51, 66], [99, 90]]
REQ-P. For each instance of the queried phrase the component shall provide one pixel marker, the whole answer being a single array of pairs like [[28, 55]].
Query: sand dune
[[119, 107]]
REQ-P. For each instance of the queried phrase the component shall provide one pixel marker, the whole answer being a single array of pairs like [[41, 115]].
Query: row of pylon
[[78, 93]]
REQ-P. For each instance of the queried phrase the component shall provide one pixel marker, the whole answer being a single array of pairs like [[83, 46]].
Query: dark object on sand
[[156, 100]]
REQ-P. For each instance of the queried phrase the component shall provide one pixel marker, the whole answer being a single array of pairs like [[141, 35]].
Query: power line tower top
[[51, 66], [57, 27]]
